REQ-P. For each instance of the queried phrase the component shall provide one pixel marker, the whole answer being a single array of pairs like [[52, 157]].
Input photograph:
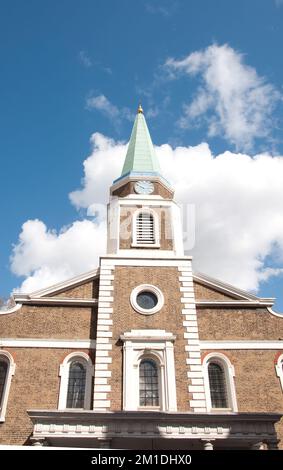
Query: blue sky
[[70, 69]]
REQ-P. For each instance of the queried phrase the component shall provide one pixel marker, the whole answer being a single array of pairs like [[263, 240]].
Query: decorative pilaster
[[195, 372], [103, 359]]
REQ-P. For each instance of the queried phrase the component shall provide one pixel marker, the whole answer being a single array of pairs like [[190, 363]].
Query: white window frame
[[229, 372], [10, 372], [279, 369], [64, 371], [135, 242], [155, 344], [150, 288], [160, 365]]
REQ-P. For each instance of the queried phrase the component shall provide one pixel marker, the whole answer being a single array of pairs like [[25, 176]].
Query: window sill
[[145, 245], [149, 408], [73, 409], [221, 410]]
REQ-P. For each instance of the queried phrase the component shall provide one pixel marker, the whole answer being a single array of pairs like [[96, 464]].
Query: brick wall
[[35, 385], [42, 321], [86, 290], [257, 386], [206, 293], [235, 324], [36, 381]]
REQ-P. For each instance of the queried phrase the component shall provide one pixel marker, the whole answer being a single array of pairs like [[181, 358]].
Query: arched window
[[76, 385], [3, 378], [219, 383], [279, 369], [217, 386], [7, 370], [76, 381], [145, 228], [149, 383]]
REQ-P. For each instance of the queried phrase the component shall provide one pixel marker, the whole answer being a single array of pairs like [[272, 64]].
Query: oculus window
[[147, 299]]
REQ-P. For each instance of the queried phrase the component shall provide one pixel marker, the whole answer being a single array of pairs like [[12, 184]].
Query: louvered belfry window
[[217, 385], [145, 230]]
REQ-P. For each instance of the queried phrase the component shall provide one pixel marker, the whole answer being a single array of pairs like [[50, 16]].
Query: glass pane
[[76, 386], [149, 390], [147, 300], [217, 384], [3, 376]]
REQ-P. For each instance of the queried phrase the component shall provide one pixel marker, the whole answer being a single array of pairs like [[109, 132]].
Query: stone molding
[[48, 343], [89, 424]]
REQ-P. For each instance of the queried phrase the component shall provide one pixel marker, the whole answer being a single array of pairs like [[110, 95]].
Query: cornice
[[60, 286], [123, 180], [94, 424], [241, 344], [26, 299], [233, 303], [228, 289], [47, 343]]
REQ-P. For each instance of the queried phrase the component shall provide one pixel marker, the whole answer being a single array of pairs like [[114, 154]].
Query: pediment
[[210, 289], [82, 286]]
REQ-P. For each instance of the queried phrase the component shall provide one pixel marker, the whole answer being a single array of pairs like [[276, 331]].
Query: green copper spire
[[140, 158]]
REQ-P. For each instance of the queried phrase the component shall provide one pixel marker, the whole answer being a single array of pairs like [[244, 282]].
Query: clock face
[[144, 187]]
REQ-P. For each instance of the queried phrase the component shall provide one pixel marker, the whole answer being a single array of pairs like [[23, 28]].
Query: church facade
[[142, 353]]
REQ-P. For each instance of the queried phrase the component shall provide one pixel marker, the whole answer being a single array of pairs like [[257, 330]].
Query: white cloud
[[157, 9], [239, 221], [152, 112], [238, 202], [85, 59], [101, 103], [233, 99], [113, 113], [165, 9], [100, 169], [46, 257]]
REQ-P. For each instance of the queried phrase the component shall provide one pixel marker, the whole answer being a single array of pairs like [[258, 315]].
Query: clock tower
[[143, 218], [146, 293]]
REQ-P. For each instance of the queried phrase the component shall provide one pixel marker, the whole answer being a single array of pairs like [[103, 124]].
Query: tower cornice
[[134, 177]]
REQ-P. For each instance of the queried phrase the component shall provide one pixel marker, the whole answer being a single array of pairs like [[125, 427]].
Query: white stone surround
[[102, 373], [195, 370], [157, 344]]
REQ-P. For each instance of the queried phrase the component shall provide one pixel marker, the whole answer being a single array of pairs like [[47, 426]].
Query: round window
[[147, 299]]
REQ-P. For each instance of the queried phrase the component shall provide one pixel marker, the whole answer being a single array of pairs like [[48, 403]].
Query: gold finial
[[140, 110]]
